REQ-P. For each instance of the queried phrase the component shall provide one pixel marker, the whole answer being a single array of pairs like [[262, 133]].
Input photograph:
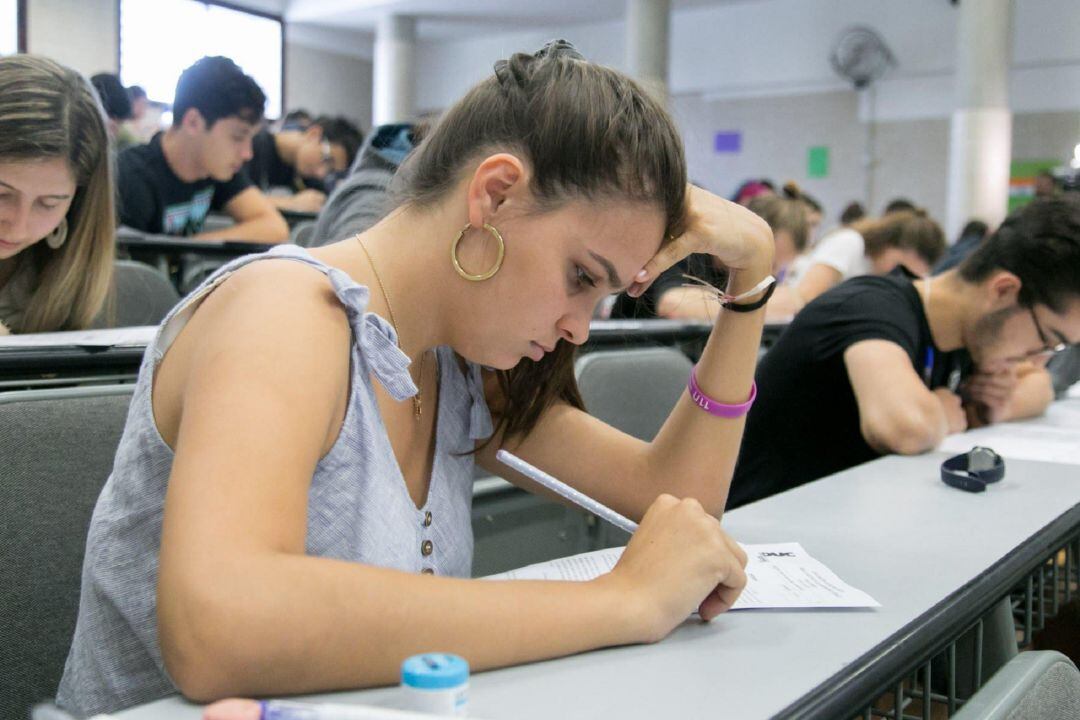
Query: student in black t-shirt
[[890, 364], [303, 160], [169, 185]]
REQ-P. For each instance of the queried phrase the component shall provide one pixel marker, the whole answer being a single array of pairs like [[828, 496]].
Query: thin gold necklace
[[416, 399]]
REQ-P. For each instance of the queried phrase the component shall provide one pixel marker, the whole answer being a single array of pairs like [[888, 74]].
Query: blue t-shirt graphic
[[152, 199]]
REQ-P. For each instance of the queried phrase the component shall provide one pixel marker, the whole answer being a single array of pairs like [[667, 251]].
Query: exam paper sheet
[[779, 575], [1054, 437]]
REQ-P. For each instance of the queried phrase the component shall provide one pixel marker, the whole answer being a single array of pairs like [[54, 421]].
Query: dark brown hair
[[587, 132], [906, 229], [854, 211], [218, 89], [785, 213], [1040, 244]]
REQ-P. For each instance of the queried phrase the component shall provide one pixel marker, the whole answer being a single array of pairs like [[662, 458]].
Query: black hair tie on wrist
[[750, 307]]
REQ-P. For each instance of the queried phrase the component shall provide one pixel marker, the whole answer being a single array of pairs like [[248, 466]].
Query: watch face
[[981, 459]]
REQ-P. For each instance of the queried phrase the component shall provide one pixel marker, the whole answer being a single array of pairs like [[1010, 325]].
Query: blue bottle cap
[[434, 671]]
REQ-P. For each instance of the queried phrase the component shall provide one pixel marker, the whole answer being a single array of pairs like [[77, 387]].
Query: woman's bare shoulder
[[273, 328]]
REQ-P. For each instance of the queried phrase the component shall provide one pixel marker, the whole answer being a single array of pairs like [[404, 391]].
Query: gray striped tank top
[[359, 508]]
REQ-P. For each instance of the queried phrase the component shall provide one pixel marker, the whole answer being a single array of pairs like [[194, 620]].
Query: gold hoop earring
[[488, 273], [56, 238]]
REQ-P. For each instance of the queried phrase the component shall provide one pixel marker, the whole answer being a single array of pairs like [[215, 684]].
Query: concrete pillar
[[395, 70], [980, 143], [648, 26]]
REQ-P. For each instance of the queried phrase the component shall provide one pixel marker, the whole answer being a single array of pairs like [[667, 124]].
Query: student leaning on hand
[[289, 510]]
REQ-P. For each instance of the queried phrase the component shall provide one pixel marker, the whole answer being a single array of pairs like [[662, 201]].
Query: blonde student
[[56, 199], [870, 246], [289, 510]]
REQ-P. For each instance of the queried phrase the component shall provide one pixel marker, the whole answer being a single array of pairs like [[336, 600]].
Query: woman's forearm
[[694, 451], [351, 625], [266, 229]]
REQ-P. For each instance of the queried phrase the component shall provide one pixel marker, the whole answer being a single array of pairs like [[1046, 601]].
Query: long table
[[936, 558], [70, 358], [34, 366], [168, 245]]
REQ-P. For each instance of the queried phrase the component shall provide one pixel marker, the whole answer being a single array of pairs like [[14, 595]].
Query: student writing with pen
[[289, 510]]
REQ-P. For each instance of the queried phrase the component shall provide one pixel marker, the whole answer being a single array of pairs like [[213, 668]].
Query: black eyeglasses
[[1048, 349]]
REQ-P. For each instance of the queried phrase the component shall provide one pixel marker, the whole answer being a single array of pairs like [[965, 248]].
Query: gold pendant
[[416, 406]]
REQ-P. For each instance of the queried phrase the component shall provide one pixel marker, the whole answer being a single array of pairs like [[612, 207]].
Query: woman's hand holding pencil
[[678, 560]]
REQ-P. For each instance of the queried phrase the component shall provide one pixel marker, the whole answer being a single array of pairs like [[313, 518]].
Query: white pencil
[[578, 498]]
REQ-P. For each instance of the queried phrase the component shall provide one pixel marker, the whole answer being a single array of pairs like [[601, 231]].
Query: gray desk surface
[[889, 527]]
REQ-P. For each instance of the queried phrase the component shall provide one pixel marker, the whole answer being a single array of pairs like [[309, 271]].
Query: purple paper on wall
[[727, 141]]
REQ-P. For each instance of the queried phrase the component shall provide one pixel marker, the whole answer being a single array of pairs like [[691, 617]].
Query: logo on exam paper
[[776, 554]]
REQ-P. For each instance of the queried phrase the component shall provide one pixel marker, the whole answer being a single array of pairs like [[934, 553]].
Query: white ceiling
[[441, 19]]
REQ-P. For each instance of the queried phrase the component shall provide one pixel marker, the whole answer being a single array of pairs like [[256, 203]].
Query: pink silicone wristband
[[714, 407]]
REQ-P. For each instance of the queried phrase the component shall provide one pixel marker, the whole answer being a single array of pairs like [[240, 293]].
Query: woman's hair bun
[[557, 49], [515, 71], [791, 190]]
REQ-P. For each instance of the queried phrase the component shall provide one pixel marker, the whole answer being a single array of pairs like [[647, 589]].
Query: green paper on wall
[[817, 162], [1022, 180]]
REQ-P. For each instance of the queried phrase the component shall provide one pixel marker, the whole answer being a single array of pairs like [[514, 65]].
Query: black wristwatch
[[974, 470]]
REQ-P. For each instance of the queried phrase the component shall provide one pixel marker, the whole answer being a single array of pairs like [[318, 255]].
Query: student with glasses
[[893, 364], [1049, 348], [303, 161]]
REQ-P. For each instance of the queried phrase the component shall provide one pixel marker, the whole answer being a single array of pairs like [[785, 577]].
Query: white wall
[[328, 83], [1045, 135], [912, 154], [781, 47], [762, 68], [83, 34], [776, 136], [446, 70]]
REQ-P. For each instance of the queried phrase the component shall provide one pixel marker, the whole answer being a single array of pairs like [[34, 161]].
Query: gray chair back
[[635, 389], [144, 295], [1041, 684], [57, 449]]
